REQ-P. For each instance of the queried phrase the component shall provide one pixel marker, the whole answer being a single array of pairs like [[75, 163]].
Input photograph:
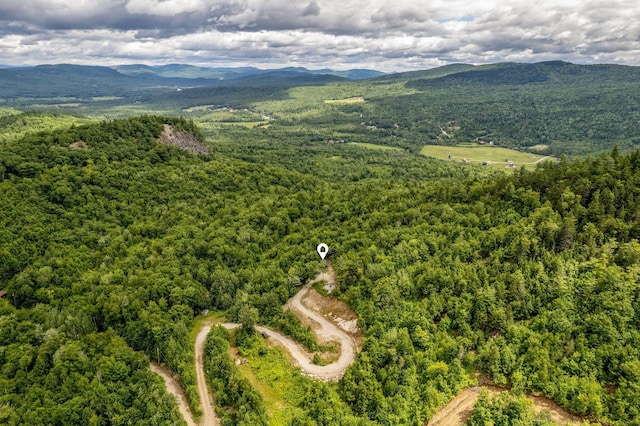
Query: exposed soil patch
[[336, 311], [459, 409], [185, 140], [79, 145]]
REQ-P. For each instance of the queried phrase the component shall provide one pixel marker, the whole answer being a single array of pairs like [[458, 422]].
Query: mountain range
[[65, 80]]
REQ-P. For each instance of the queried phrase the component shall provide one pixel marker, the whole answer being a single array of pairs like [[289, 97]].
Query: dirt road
[[459, 409], [209, 416], [174, 388], [326, 331]]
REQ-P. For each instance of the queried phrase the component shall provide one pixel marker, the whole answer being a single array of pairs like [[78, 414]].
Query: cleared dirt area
[[459, 409], [336, 311]]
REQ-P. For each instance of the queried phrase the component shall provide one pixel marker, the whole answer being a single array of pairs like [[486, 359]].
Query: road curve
[[209, 416], [326, 330]]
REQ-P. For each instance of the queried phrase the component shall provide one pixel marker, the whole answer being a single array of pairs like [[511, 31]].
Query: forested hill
[[112, 243], [65, 82], [548, 108], [557, 107]]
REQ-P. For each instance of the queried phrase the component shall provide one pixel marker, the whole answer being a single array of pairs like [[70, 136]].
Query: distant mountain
[[85, 82], [430, 73], [550, 72], [556, 107], [191, 71], [353, 74], [185, 71], [46, 81], [63, 82]]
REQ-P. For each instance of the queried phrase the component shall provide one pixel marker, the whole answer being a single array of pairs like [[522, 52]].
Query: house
[[3, 293]]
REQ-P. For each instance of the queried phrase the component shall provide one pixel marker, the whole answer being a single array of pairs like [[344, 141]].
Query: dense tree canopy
[[111, 244]]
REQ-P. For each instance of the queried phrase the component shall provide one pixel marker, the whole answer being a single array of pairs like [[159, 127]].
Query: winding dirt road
[[457, 411], [326, 330], [209, 416]]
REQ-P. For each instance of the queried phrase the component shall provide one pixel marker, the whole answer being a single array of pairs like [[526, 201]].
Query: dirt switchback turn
[[460, 408], [325, 330]]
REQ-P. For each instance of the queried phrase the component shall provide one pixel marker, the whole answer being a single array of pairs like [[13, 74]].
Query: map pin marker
[[323, 249]]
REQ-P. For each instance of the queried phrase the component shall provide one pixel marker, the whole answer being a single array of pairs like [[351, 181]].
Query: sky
[[387, 35]]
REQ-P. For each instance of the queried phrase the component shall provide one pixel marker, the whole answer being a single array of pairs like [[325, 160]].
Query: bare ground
[[175, 389], [459, 409], [209, 416], [184, 140]]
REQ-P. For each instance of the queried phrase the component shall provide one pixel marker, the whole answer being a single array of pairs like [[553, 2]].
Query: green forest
[[112, 244]]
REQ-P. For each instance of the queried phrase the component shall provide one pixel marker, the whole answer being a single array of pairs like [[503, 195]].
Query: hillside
[[549, 108], [564, 108], [226, 73], [68, 85], [112, 244]]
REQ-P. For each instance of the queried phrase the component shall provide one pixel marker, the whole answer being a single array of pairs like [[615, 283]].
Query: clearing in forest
[[376, 146], [354, 100], [492, 156], [457, 411]]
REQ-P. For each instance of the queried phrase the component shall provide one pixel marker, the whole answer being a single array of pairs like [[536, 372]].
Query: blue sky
[[389, 36]]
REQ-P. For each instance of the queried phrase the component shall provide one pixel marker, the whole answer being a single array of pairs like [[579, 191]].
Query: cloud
[[312, 9], [403, 34]]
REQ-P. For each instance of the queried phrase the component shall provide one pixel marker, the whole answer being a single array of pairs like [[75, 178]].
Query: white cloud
[[165, 7], [386, 35]]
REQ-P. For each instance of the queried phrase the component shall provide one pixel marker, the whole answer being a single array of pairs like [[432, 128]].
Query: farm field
[[376, 146], [494, 156]]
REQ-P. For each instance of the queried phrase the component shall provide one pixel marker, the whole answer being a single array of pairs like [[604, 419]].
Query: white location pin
[[323, 249]]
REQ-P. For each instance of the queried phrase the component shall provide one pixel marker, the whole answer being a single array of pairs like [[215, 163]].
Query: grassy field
[[279, 384], [344, 101], [374, 146], [493, 156]]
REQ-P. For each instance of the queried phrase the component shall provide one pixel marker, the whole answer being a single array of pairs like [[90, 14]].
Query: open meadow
[[490, 156]]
